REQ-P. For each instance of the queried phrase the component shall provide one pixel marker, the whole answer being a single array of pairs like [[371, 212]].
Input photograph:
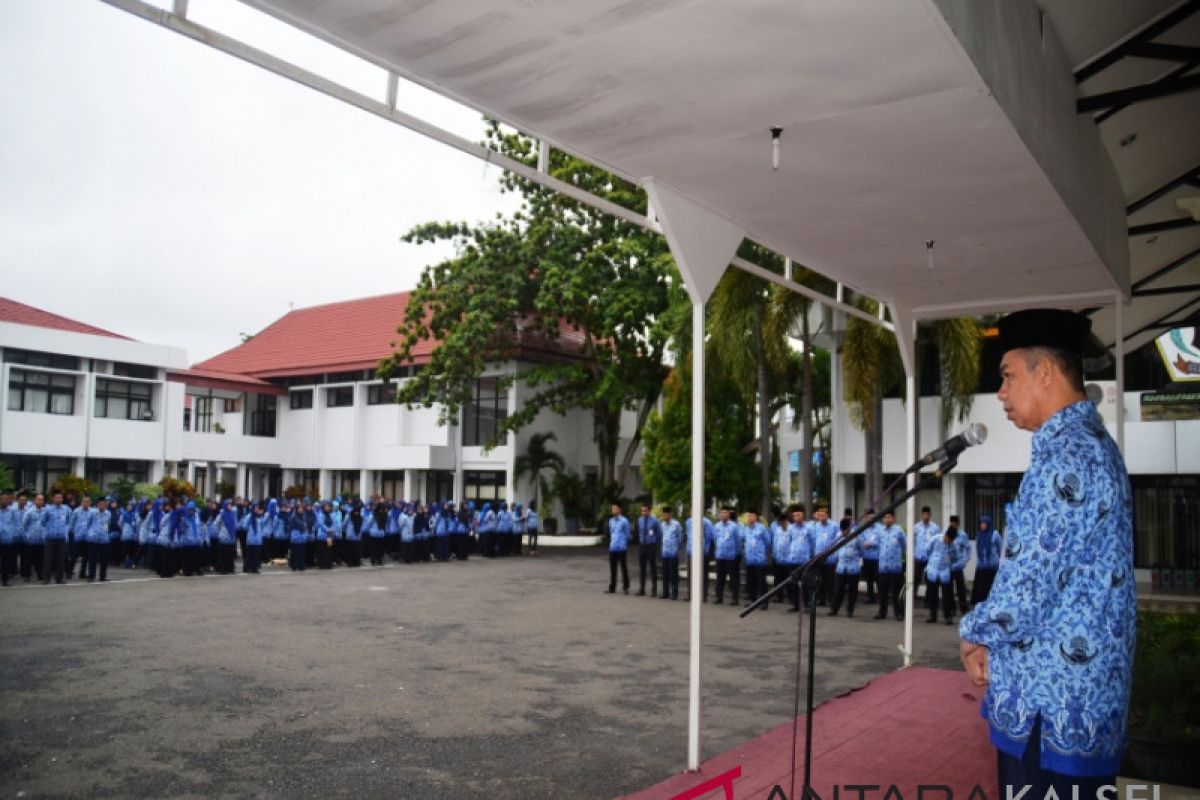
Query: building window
[[36, 359], [1166, 526], [309, 480], [346, 483], [484, 414], [391, 484], [440, 486], [381, 394], [204, 413], [41, 392], [36, 473], [123, 400], [104, 472], [302, 398], [339, 396], [187, 419], [134, 371], [484, 487], [262, 417], [348, 377], [232, 405]]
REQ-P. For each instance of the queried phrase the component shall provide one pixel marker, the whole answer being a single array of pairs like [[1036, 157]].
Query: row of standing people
[[48, 540], [877, 557]]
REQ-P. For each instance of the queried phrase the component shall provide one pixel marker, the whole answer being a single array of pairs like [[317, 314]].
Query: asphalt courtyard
[[508, 678]]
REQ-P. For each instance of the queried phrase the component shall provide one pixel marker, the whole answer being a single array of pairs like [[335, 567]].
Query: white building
[[297, 404], [83, 401]]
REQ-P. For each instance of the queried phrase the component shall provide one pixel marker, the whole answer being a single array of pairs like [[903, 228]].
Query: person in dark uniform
[[648, 536]]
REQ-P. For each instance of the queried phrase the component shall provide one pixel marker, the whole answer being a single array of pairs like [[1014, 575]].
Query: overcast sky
[[158, 188]]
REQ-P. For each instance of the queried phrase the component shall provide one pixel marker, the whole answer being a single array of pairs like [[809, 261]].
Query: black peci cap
[[1045, 327]]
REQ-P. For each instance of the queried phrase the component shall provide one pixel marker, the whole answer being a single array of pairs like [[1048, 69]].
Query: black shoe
[[949, 622], [880, 616], [831, 612], [665, 597], [674, 597], [719, 602], [610, 591], [794, 610], [931, 619], [654, 592], [626, 590], [899, 618], [641, 592], [850, 613]]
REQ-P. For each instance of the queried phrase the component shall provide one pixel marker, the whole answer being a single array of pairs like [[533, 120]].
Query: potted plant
[[1164, 710], [571, 492]]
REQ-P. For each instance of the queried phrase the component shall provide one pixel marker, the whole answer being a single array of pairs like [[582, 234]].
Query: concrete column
[[239, 481], [412, 489], [366, 483], [157, 470], [325, 483]]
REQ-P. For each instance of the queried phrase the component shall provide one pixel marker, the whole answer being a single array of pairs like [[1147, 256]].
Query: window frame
[[339, 396], [28, 384], [134, 394], [296, 398]]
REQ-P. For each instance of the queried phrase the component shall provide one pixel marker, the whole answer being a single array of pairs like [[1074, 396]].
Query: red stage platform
[[909, 729]]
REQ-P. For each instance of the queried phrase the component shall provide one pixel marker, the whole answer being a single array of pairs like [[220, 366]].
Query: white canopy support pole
[[702, 243], [906, 339], [696, 562], [1119, 354]]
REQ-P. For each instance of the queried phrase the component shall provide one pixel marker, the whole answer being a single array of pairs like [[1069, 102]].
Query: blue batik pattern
[[892, 541], [1059, 622]]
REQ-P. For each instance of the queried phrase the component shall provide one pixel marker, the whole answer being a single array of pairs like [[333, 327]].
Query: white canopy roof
[[904, 121]]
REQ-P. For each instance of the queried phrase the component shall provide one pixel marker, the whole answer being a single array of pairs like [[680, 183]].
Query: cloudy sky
[[158, 188]]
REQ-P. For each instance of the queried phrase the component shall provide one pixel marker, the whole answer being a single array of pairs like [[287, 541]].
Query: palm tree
[[536, 459], [870, 366], [960, 345]]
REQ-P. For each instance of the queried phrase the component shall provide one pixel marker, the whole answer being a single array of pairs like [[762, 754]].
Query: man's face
[[822, 515], [1019, 391], [57, 499], [924, 516], [86, 502], [645, 511], [797, 517], [724, 515], [667, 515], [888, 519], [751, 517], [616, 511]]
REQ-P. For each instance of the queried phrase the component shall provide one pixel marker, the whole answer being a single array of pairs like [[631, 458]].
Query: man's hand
[[975, 662]]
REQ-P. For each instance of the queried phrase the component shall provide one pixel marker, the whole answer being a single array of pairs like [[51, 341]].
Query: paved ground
[[514, 678]]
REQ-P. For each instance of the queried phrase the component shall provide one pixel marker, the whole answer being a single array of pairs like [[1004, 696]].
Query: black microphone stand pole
[[798, 577]]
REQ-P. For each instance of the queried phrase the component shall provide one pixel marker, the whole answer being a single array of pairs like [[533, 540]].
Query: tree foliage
[[74, 486], [730, 473], [554, 273], [536, 460]]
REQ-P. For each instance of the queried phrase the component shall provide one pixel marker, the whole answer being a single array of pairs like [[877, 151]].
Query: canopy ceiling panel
[[895, 131]]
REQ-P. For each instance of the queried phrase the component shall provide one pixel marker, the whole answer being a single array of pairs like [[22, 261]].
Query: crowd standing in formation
[[48, 541], [876, 557]]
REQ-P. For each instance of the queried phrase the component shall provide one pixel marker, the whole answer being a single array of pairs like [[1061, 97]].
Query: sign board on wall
[[1180, 354]]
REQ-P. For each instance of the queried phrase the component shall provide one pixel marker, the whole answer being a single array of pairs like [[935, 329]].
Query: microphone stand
[[798, 577]]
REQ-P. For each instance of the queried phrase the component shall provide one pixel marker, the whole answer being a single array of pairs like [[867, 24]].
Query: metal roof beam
[[1147, 33], [1162, 225], [1165, 52], [1182, 69], [1180, 289], [1166, 269], [1137, 94], [1189, 175]]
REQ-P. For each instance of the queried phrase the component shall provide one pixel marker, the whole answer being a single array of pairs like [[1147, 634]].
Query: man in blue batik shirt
[[727, 546], [1053, 643]]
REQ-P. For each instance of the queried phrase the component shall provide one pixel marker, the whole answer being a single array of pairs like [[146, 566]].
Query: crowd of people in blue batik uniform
[[876, 558], [49, 541]]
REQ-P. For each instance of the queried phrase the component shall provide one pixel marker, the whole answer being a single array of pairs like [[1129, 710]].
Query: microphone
[[976, 433]]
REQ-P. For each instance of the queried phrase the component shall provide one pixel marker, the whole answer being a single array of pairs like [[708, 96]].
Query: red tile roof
[[214, 379], [335, 337], [21, 314], [347, 336]]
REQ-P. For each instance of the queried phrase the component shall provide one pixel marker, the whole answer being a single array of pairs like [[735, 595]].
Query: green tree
[[729, 470], [7, 478], [590, 288], [960, 347], [537, 459], [871, 366]]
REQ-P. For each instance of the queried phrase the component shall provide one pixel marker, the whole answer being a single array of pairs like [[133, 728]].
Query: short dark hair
[[926, 510], [668, 510], [954, 518], [1068, 363]]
